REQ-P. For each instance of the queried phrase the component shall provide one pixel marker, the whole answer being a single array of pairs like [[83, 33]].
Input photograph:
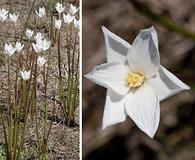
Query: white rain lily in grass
[[19, 46], [25, 75], [29, 33], [41, 45], [58, 23], [135, 81], [41, 61], [59, 8], [41, 12], [68, 18], [76, 23], [9, 49], [38, 46], [73, 9], [13, 17], [3, 15]]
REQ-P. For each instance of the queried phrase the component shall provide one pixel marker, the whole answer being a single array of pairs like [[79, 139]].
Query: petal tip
[[104, 29], [87, 76], [151, 135], [187, 87], [152, 28], [103, 127]]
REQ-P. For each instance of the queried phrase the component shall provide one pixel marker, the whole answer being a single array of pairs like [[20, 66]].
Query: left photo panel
[[39, 79]]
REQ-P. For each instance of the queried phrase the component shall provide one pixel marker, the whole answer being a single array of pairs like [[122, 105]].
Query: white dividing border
[[80, 81]]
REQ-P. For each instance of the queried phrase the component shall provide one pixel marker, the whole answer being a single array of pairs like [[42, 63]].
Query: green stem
[[46, 116], [4, 131], [36, 127], [27, 20], [51, 13], [15, 138], [61, 90], [73, 81], [26, 108], [77, 83], [9, 109], [70, 81], [164, 21]]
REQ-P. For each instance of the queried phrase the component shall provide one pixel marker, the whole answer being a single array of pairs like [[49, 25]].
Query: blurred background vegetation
[[174, 21]]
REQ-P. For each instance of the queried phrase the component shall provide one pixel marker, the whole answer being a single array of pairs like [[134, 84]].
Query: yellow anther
[[135, 80]]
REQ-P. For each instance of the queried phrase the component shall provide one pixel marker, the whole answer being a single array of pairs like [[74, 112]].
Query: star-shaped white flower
[[41, 61], [59, 8], [135, 81], [19, 46], [58, 23], [25, 75], [41, 12], [3, 15], [73, 9], [41, 45], [68, 18], [13, 17], [29, 33], [37, 47], [9, 49]]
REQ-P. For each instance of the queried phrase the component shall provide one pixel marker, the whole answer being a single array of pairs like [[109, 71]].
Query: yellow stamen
[[135, 80]]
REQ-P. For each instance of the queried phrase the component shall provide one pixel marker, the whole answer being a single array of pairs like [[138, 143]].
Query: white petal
[[116, 47], [165, 84], [142, 106], [154, 36], [110, 75], [143, 56], [114, 111]]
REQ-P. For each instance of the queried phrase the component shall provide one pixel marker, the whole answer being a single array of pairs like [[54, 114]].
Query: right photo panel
[[138, 80]]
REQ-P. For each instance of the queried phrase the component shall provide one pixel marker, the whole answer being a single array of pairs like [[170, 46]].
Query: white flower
[[9, 49], [19, 46], [68, 18], [76, 23], [135, 81], [41, 45], [46, 44], [73, 9], [41, 12], [13, 17], [58, 23], [59, 8], [37, 47], [41, 61], [29, 33], [25, 75], [38, 37], [3, 15]]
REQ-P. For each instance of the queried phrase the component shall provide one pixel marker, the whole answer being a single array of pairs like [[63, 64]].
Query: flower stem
[[26, 108], [4, 130], [164, 21], [27, 20], [9, 109], [61, 90]]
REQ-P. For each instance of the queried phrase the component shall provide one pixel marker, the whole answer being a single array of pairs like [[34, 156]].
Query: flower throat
[[135, 80]]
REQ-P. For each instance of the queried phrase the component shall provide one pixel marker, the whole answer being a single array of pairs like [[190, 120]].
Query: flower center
[[135, 80]]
